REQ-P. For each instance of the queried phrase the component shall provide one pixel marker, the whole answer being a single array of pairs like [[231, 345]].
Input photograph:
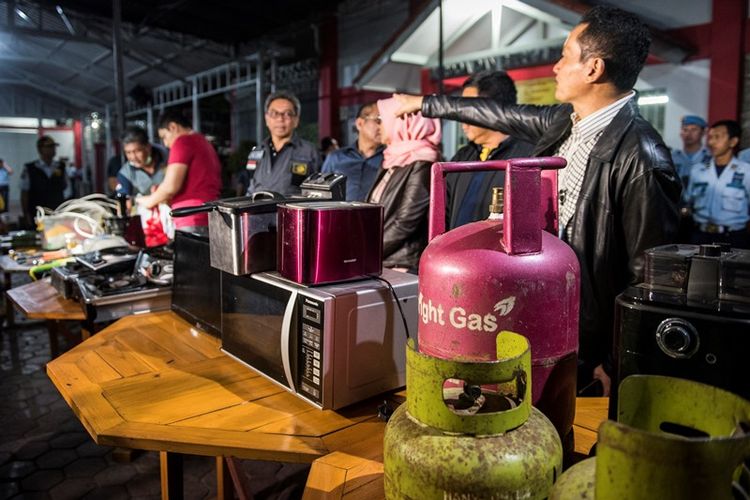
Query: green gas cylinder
[[674, 439], [498, 448]]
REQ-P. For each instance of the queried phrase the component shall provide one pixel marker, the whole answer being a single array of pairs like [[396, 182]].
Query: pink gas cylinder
[[505, 273]]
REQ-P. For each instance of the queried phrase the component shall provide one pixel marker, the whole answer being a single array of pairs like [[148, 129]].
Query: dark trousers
[[4, 194], [736, 239]]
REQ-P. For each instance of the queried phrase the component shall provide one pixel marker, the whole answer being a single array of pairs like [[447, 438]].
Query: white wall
[[18, 146], [687, 87]]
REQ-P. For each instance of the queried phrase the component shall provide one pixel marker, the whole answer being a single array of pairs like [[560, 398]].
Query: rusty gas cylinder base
[[426, 463], [674, 439], [433, 450]]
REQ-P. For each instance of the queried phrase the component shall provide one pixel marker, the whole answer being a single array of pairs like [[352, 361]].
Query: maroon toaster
[[329, 241]]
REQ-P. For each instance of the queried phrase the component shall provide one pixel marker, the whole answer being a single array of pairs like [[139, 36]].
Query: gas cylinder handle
[[534, 198], [425, 376]]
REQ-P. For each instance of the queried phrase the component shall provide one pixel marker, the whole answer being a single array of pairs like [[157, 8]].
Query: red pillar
[[328, 92], [78, 142], [727, 58], [428, 84]]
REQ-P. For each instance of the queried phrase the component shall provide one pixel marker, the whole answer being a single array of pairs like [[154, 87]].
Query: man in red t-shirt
[[193, 174]]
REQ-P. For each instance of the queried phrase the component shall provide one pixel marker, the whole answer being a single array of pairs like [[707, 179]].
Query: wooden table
[[40, 300], [10, 267], [153, 382]]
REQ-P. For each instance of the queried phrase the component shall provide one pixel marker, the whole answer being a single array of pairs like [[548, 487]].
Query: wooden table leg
[[224, 483], [239, 480], [53, 330], [87, 329], [10, 319], [171, 475]]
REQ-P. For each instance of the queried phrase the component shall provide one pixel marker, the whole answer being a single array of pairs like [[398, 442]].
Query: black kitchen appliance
[[690, 318], [112, 259], [196, 289], [64, 278], [325, 186], [145, 287]]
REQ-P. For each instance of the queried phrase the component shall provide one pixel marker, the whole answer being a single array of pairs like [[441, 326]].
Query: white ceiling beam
[[511, 36], [480, 54]]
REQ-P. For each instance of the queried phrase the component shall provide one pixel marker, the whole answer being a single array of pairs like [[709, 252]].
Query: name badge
[[299, 168], [737, 180]]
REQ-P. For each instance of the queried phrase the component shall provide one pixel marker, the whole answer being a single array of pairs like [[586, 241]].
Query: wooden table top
[[40, 300], [154, 382]]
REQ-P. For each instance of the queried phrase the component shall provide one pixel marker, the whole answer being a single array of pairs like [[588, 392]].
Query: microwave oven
[[331, 345]]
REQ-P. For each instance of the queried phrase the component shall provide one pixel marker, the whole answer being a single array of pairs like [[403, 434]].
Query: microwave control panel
[[310, 348]]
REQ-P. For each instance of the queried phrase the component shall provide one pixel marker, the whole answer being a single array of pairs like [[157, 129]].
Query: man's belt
[[715, 228]]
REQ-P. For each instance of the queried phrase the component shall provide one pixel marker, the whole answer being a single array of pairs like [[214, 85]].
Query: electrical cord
[[398, 302], [386, 409]]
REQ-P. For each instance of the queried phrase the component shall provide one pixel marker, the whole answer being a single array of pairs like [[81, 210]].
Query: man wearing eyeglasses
[[283, 160], [361, 161]]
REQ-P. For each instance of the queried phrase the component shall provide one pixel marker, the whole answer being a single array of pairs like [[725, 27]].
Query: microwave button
[[316, 372], [316, 363], [316, 380], [316, 345], [316, 354]]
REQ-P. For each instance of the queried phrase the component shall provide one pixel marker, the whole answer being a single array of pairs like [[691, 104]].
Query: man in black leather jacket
[[628, 190]]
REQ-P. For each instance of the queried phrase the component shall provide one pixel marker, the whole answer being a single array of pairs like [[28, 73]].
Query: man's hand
[[601, 376], [144, 201], [408, 103]]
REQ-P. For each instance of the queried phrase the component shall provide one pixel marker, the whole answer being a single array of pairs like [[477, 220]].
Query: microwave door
[[289, 341]]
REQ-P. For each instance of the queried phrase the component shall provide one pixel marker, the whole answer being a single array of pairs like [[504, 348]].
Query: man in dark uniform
[[283, 160], [43, 180], [470, 193]]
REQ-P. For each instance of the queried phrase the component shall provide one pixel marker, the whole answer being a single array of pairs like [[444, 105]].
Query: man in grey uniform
[[283, 160]]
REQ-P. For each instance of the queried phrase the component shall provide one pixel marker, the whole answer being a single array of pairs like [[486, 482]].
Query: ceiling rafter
[[50, 62], [47, 91], [26, 90], [94, 102]]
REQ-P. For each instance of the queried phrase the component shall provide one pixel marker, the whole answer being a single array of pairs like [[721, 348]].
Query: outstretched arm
[[170, 186]]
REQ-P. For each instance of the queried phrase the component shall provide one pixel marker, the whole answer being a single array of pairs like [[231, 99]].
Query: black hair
[[170, 116], [362, 108], [496, 85], [733, 128], [134, 134], [286, 95], [620, 38], [326, 142]]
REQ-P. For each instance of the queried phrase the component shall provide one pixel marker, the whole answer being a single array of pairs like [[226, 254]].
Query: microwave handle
[[286, 327]]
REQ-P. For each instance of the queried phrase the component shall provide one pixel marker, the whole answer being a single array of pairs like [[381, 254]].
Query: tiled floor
[[46, 453]]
